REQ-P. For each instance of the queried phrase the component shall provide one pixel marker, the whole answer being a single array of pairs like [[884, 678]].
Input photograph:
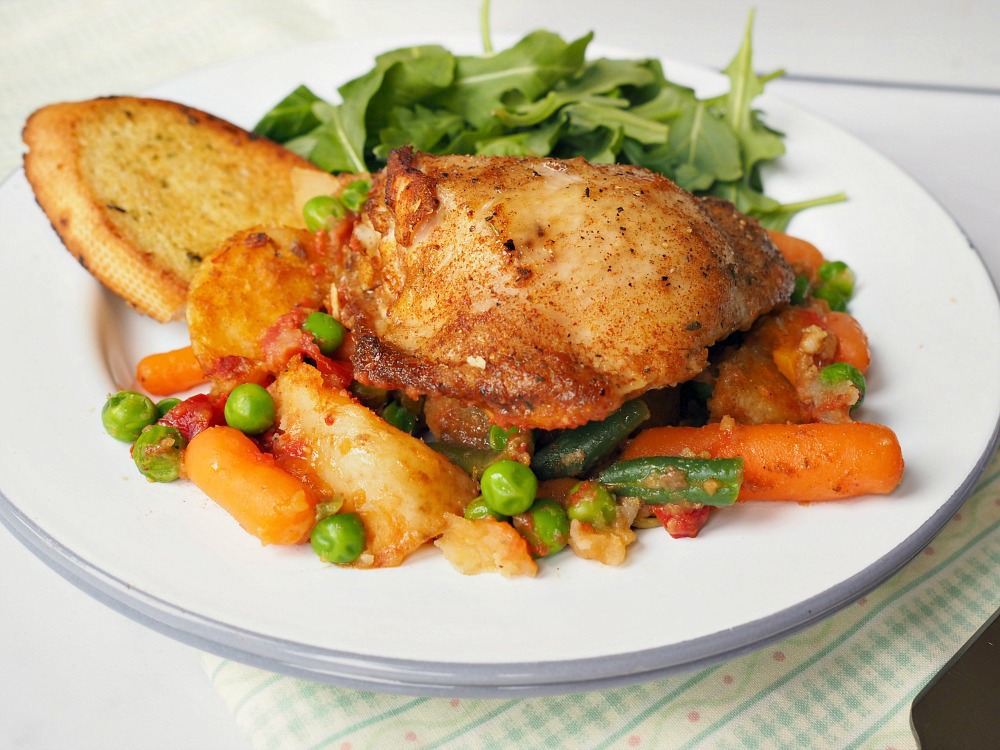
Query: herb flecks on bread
[[142, 190]]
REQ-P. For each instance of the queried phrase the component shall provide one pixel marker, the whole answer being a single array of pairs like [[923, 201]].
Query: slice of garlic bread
[[142, 190]]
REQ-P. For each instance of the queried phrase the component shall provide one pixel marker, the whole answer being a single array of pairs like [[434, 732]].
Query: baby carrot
[[803, 256], [852, 343], [265, 499], [800, 462], [169, 372]]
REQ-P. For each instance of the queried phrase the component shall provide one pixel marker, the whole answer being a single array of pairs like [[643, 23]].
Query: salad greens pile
[[541, 97]]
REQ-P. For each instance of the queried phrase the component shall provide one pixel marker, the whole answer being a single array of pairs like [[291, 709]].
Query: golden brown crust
[[546, 292], [141, 190]]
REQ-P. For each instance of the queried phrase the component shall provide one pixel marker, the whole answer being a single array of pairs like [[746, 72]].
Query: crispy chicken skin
[[546, 292]]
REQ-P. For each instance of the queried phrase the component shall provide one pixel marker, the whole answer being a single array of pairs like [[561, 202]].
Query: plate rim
[[507, 679]]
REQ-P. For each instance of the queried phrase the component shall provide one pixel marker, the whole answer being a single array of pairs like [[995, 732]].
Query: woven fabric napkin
[[847, 682]]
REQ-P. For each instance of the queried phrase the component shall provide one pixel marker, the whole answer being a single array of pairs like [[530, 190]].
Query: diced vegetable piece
[[194, 414], [264, 499], [607, 545], [485, 546], [799, 462], [577, 451], [170, 372], [682, 520], [659, 480]]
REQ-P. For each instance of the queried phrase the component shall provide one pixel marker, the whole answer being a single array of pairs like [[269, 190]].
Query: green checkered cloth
[[847, 682]]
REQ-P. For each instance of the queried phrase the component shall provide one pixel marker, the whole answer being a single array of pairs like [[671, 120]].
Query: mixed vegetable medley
[[771, 418]]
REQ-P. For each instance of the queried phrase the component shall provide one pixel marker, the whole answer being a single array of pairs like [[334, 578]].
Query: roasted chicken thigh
[[546, 292]]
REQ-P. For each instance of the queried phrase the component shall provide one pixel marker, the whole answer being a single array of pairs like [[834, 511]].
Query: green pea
[[840, 372], [839, 276], [590, 502], [477, 508], [339, 538], [250, 409], [319, 211], [126, 413], [165, 405], [508, 487], [545, 526], [159, 452], [833, 297], [356, 194], [400, 417], [326, 330]]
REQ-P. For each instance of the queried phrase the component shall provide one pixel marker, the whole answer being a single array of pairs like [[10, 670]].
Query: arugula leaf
[[707, 149], [420, 126], [596, 113], [532, 66], [759, 143], [542, 97], [410, 76], [291, 117], [330, 145]]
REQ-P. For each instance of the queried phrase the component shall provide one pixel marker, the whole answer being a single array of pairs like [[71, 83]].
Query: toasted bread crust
[[141, 190]]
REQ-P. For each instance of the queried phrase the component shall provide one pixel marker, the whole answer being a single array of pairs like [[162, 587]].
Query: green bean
[[578, 450], [473, 461], [676, 479]]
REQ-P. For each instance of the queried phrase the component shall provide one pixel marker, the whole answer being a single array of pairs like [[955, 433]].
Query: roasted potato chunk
[[485, 546], [401, 488], [254, 278]]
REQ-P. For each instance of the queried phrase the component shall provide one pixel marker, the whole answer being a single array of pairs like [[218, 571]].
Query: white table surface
[[75, 674]]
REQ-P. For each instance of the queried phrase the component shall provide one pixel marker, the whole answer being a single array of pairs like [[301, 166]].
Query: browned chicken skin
[[546, 292]]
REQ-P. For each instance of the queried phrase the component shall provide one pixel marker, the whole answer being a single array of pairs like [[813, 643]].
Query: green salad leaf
[[542, 97]]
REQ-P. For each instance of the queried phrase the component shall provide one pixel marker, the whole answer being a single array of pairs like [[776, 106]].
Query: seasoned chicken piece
[[546, 292]]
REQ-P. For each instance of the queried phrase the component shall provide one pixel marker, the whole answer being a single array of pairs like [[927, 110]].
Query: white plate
[[168, 557]]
